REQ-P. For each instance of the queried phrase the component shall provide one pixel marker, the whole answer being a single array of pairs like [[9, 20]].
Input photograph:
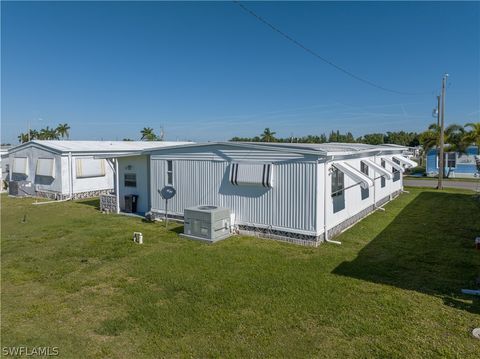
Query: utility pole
[[438, 111], [441, 159]]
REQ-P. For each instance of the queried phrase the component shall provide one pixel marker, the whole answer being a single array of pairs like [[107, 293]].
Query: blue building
[[457, 165]]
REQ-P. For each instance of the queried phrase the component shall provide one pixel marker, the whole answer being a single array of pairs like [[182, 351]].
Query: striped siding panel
[[289, 205]]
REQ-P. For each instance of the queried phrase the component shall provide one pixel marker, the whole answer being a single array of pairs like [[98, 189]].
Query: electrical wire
[[315, 54]]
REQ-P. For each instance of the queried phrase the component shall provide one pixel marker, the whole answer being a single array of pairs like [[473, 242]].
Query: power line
[[313, 53]]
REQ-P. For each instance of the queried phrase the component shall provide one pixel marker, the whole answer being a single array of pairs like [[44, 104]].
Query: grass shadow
[[93, 202], [428, 248]]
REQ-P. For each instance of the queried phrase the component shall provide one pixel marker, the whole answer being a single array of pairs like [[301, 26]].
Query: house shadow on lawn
[[428, 248], [94, 202]]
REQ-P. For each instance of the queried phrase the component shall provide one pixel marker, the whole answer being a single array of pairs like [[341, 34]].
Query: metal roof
[[98, 146], [319, 149], [330, 147]]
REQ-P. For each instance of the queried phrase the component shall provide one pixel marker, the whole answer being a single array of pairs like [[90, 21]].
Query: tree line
[[63, 131], [400, 138], [47, 133], [457, 137]]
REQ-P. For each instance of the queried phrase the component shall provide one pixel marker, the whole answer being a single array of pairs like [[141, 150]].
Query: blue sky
[[210, 71]]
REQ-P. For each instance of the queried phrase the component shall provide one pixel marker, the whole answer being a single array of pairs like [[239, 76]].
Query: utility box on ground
[[208, 223], [21, 188]]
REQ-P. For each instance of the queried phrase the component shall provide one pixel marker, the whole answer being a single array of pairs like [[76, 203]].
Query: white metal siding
[[41, 183], [139, 166], [290, 205], [354, 203], [85, 184]]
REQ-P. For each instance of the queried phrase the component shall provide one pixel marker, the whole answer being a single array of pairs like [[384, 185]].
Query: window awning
[[354, 174], [45, 167], [394, 165], [251, 174], [20, 165], [406, 161], [379, 169]]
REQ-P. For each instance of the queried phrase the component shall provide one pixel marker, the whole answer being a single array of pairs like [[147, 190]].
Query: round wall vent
[[207, 208]]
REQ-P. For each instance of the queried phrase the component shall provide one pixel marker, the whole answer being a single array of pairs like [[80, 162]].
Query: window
[[382, 179], [89, 167], [251, 174], [170, 172], [451, 159], [338, 186], [365, 192], [337, 183], [396, 173], [130, 179]]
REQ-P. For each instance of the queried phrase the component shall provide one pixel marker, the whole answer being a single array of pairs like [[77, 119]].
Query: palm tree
[[473, 136], [455, 138], [63, 130], [48, 133], [430, 138], [33, 134], [148, 134], [23, 137], [268, 136]]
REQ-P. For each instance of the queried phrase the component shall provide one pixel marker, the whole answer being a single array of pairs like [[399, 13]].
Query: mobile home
[[69, 169], [301, 193], [5, 166], [457, 164]]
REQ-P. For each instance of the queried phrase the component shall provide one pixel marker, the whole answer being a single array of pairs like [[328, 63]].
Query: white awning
[[45, 167], [406, 161], [255, 174], [20, 165], [394, 165], [379, 169], [354, 174]]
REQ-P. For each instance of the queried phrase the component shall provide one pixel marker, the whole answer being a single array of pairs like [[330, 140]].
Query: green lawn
[[71, 278]]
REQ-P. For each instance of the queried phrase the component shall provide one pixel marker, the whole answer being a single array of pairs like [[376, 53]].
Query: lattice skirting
[[79, 195], [309, 240], [108, 203], [159, 216], [283, 236]]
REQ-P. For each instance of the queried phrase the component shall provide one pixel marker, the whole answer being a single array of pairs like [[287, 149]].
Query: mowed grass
[[73, 279]]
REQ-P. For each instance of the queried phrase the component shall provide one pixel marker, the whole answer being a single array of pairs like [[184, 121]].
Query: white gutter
[[325, 217], [54, 201], [117, 186], [70, 184]]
